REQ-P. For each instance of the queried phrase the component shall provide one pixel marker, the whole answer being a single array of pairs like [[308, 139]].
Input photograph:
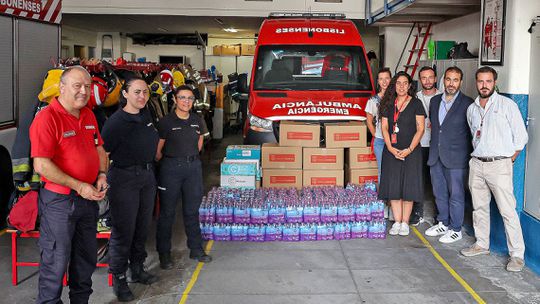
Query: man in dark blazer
[[449, 155]]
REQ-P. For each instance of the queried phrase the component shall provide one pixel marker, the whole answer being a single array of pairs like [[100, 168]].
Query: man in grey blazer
[[449, 156]]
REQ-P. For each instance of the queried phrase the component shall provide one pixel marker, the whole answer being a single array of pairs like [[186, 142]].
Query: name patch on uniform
[[196, 126], [90, 127], [69, 134], [177, 128]]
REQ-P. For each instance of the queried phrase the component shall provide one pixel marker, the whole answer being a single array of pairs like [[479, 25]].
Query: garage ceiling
[[247, 26]]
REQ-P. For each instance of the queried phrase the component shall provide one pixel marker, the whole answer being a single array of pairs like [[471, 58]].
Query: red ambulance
[[307, 67]]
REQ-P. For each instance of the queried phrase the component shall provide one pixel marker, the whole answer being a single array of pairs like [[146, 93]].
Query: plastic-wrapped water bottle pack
[[287, 214]]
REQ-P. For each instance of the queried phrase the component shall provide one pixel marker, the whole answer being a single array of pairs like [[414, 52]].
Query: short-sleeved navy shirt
[[130, 138], [181, 135]]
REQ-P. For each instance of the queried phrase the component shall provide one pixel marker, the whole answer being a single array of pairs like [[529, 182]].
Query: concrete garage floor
[[394, 270]]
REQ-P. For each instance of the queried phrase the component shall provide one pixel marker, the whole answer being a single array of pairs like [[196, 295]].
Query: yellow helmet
[[51, 85], [114, 92], [178, 78], [156, 88]]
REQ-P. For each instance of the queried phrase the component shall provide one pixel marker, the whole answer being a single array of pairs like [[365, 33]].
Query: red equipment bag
[[23, 215]]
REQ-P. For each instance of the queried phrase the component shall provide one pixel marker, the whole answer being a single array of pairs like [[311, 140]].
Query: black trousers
[[131, 196], [179, 179], [418, 207], [68, 225]]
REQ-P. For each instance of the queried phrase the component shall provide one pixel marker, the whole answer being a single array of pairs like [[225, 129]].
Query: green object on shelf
[[442, 48], [431, 49]]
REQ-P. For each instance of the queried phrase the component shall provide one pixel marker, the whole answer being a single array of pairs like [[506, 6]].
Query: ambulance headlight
[[259, 122]]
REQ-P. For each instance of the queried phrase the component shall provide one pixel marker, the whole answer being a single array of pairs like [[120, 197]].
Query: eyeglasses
[[188, 98]]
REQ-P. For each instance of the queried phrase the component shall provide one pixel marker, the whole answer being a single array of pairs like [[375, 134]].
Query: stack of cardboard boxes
[[241, 167], [299, 160]]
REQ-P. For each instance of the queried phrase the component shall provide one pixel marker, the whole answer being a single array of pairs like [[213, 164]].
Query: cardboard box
[[248, 161], [276, 157], [243, 152], [216, 50], [247, 49], [360, 176], [282, 178], [299, 134], [360, 158], [345, 134], [323, 158], [238, 181], [232, 50], [323, 178]]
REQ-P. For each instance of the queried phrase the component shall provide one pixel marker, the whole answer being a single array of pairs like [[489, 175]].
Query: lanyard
[[485, 113], [398, 112]]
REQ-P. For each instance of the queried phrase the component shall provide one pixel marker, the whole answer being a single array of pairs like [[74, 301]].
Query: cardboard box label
[[300, 135], [276, 179], [318, 181], [279, 157], [365, 157], [324, 159], [364, 179], [346, 136]]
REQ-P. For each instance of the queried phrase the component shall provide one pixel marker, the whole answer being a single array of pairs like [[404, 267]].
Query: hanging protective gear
[[51, 85], [178, 78], [98, 93]]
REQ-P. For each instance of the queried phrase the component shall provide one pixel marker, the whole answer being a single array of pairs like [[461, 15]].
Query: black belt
[[185, 158], [146, 166], [491, 159]]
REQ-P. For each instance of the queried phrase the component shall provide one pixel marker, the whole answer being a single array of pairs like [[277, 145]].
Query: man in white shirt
[[427, 76], [499, 135]]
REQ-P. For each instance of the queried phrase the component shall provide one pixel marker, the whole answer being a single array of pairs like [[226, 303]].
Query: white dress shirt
[[372, 107], [503, 131], [426, 100]]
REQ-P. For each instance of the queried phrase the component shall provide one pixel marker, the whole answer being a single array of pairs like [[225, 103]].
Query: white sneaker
[[404, 230], [437, 230], [395, 229], [450, 237]]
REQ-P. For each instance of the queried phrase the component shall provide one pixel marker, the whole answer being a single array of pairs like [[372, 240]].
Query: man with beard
[[427, 77], [498, 136], [449, 156]]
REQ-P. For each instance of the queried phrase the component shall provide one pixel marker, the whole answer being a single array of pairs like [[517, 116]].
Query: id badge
[[478, 134], [393, 138]]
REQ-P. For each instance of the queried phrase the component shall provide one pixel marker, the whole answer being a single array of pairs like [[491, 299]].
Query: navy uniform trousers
[[179, 178], [68, 225], [131, 197]]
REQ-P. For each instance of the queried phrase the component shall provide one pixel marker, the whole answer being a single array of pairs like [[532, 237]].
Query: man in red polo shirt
[[67, 150]]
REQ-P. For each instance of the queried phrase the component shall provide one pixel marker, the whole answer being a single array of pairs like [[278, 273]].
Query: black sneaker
[[165, 261], [200, 256], [121, 289]]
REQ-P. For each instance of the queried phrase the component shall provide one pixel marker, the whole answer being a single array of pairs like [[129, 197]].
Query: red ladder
[[418, 50]]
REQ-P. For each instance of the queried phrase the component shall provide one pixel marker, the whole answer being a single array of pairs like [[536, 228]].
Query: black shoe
[[165, 261], [200, 256], [121, 289], [139, 275]]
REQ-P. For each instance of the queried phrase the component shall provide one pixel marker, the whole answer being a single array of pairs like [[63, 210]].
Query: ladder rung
[[421, 34], [416, 50], [410, 65]]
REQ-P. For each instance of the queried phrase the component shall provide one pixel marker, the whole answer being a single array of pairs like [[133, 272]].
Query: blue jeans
[[449, 190], [378, 146]]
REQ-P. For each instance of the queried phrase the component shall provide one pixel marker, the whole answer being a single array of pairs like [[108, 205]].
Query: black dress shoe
[[165, 261], [139, 275], [200, 256], [121, 289]]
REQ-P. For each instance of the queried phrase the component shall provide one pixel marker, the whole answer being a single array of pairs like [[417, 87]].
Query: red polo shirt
[[70, 143]]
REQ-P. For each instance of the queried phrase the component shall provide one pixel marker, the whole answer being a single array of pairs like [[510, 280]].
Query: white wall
[[463, 29], [152, 52], [394, 40], [352, 8], [74, 36], [514, 74]]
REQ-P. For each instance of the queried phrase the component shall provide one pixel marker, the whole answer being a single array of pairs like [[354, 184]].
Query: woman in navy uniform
[[180, 176], [131, 139]]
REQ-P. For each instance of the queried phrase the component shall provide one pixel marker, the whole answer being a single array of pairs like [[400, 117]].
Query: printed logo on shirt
[[69, 134], [90, 127]]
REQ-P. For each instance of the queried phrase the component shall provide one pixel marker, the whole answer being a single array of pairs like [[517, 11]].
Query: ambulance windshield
[[311, 67]]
